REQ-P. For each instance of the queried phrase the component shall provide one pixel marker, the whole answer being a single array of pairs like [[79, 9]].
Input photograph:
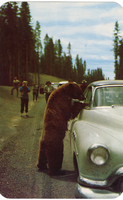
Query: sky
[[88, 26]]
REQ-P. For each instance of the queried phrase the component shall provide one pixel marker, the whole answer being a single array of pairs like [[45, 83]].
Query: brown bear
[[59, 110]]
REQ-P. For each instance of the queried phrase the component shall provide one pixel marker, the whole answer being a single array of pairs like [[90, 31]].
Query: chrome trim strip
[[90, 193], [74, 143], [119, 172], [86, 181], [103, 183]]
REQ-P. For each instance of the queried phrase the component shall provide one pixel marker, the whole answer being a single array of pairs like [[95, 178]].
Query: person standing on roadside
[[24, 97], [83, 85], [37, 86], [35, 92], [48, 89], [16, 84]]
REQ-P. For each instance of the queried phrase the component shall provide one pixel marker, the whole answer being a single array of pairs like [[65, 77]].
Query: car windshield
[[107, 96]]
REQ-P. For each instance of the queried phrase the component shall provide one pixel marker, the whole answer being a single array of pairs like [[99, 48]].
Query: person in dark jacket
[[24, 97]]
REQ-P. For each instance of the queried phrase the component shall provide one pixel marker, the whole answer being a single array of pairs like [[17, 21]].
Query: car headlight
[[98, 154]]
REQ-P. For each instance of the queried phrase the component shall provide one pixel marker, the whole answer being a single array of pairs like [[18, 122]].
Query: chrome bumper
[[87, 188], [90, 193]]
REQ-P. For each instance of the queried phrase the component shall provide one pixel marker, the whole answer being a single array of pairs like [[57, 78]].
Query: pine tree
[[69, 62], [9, 40], [49, 55], [121, 60], [58, 60], [26, 37], [77, 66], [38, 48], [116, 50]]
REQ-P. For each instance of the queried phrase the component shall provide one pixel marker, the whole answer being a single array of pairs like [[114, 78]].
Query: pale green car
[[97, 141]]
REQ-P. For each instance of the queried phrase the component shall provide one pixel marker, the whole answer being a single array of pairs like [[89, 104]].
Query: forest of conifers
[[21, 50]]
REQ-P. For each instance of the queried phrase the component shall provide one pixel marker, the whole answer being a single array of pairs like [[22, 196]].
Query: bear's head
[[74, 91]]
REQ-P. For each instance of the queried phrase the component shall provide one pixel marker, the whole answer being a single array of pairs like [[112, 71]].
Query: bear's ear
[[71, 87]]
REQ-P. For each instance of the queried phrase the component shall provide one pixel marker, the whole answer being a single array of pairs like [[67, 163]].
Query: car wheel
[[75, 164]]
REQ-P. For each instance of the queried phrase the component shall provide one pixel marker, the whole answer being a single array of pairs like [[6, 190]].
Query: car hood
[[106, 119]]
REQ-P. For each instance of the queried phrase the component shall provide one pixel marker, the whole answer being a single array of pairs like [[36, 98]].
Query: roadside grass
[[43, 79]]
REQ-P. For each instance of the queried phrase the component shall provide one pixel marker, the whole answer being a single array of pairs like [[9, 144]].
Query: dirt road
[[19, 143]]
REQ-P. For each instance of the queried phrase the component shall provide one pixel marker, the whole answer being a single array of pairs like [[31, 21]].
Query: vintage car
[[97, 141], [62, 83], [55, 85]]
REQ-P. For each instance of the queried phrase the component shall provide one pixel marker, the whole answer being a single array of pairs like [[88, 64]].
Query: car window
[[107, 96]]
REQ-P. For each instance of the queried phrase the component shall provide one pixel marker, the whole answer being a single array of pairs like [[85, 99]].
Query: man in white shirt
[[48, 89]]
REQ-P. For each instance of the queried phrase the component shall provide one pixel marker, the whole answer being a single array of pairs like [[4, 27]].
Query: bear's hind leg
[[54, 157], [42, 159]]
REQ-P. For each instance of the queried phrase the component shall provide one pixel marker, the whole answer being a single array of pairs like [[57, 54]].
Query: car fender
[[84, 135]]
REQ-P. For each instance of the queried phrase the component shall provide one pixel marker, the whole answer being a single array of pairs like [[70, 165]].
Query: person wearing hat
[[24, 97], [83, 85], [48, 89], [16, 83]]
